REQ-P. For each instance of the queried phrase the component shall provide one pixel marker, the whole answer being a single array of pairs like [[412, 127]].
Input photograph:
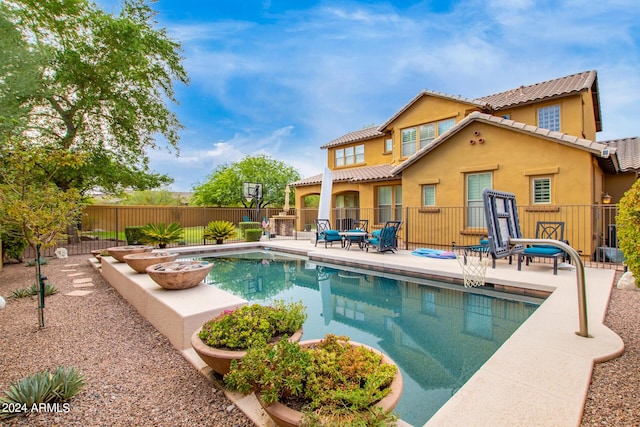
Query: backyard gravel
[[135, 377]]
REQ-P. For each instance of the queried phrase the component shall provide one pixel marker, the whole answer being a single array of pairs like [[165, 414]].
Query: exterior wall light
[[606, 198]]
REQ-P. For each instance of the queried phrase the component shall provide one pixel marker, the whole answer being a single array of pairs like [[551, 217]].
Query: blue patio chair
[[325, 233], [385, 239], [546, 230]]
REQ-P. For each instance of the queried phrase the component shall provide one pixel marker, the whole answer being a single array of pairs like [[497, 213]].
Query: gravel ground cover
[[135, 377]]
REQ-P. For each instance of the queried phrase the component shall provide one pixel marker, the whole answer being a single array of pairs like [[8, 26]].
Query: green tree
[[101, 84], [31, 203], [224, 186]]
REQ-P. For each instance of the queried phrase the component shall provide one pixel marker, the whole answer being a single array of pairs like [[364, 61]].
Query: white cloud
[[284, 83]]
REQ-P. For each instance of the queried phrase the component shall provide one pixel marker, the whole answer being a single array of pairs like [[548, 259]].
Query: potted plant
[[329, 382], [228, 336], [161, 235], [219, 231]]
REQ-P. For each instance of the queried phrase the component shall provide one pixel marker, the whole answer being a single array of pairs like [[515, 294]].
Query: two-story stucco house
[[438, 151]]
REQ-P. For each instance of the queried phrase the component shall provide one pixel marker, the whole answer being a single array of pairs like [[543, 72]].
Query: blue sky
[[283, 77]]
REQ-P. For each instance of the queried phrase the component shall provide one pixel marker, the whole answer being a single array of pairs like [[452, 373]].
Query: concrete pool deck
[[539, 377]]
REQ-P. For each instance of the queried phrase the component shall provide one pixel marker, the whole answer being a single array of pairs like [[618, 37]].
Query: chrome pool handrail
[[582, 290]]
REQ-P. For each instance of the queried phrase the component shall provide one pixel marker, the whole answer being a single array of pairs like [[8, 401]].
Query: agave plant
[[159, 234], [33, 290], [219, 231], [58, 385]]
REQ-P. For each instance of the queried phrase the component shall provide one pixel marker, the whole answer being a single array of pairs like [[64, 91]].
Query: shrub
[[55, 386], [32, 263], [245, 326], [339, 383], [219, 231], [33, 290], [134, 234], [161, 235], [247, 225], [13, 243], [252, 234], [628, 228]]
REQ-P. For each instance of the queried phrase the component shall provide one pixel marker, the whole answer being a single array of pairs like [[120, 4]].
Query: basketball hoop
[[474, 266], [251, 191]]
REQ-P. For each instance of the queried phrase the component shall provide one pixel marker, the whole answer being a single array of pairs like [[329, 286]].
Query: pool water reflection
[[439, 334]]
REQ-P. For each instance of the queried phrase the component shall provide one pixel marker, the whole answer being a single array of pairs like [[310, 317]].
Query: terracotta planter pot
[[220, 360], [118, 252], [284, 416], [140, 262], [179, 274]]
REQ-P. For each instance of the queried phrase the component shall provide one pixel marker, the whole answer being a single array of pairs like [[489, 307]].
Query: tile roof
[[550, 89], [555, 88], [361, 174], [596, 148], [359, 135], [627, 152]]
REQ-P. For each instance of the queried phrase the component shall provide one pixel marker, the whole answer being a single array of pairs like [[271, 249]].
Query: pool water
[[438, 333]]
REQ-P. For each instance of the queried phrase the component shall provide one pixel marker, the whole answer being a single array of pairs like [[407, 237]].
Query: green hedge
[[253, 234], [628, 228], [134, 235], [243, 226]]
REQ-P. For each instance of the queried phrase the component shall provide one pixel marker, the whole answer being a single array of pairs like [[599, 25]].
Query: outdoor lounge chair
[[385, 239], [546, 230], [325, 233]]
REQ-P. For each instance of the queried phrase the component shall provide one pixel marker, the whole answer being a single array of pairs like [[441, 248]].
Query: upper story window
[[349, 155], [408, 141], [425, 134], [549, 117], [388, 145]]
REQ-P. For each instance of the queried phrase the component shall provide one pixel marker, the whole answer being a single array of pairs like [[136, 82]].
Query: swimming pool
[[438, 333]]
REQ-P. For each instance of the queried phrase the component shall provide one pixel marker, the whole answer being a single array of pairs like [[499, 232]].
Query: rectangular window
[[428, 195], [549, 117], [445, 125], [359, 153], [476, 183], [427, 134], [340, 157], [408, 142], [384, 204], [388, 145], [389, 203], [542, 191], [397, 202], [349, 155]]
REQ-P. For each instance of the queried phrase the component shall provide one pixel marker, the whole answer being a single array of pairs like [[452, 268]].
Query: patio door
[[347, 209]]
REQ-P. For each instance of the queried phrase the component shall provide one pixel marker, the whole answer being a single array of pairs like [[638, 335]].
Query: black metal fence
[[590, 229]]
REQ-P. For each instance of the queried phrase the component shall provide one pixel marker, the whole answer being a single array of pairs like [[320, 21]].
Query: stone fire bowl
[[140, 261], [118, 252], [179, 274]]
